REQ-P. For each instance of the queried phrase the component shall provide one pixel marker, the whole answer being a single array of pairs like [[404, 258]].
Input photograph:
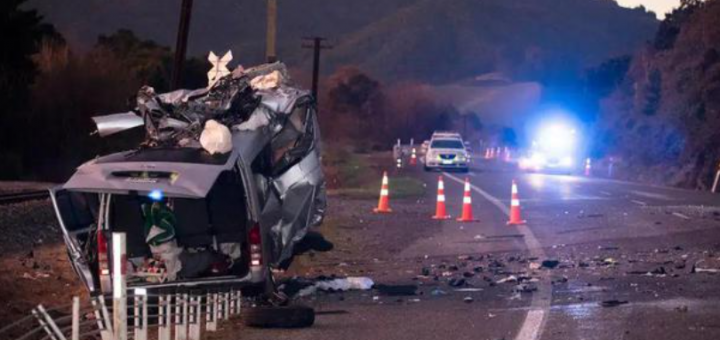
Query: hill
[[427, 40], [442, 41]]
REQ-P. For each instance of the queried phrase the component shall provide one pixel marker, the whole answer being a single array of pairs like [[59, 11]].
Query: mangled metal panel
[[114, 123], [269, 119]]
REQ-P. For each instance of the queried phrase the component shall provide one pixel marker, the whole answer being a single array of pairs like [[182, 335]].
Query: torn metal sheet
[[281, 99], [114, 123]]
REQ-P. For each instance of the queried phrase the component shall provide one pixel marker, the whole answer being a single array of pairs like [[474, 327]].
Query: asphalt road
[[637, 245]]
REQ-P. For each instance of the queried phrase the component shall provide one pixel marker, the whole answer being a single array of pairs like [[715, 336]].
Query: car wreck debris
[[227, 181]]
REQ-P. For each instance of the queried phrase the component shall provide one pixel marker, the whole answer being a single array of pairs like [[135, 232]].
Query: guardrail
[[129, 313], [179, 316]]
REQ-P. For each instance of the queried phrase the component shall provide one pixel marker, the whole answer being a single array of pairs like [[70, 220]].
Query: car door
[[298, 185], [77, 215]]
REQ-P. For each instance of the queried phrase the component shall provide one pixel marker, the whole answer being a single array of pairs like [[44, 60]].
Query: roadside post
[[119, 286], [141, 314], [717, 178], [75, 332]]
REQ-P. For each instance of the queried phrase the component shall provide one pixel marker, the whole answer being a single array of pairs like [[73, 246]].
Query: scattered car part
[[293, 316]]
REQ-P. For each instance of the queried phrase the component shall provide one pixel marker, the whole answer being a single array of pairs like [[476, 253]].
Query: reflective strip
[[514, 189], [441, 186], [467, 200], [515, 202], [384, 180], [467, 186], [441, 198], [384, 192]]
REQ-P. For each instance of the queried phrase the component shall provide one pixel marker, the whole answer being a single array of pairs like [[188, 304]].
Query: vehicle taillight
[[255, 245], [102, 248]]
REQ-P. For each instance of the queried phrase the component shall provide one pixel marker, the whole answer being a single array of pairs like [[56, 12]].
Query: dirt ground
[[34, 266]]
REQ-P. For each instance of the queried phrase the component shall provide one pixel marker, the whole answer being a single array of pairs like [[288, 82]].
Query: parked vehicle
[[446, 151]]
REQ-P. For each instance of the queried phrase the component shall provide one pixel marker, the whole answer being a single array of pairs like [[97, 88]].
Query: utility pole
[[181, 43], [270, 52], [316, 43]]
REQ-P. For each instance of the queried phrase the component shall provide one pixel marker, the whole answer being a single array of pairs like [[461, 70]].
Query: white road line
[[651, 195], [536, 317], [639, 202], [606, 193], [471, 174], [680, 215]]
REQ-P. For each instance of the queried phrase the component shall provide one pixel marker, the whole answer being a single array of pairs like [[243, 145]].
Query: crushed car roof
[[251, 103]]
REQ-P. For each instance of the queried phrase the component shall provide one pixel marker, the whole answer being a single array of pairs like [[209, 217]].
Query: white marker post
[[75, 333], [119, 286], [163, 328], [141, 311], [103, 317], [180, 326], [211, 312], [226, 306]]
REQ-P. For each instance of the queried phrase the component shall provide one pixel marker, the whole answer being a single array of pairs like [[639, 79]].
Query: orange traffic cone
[[487, 153], [467, 215], [440, 211], [413, 157], [492, 153], [515, 218], [384, 202]]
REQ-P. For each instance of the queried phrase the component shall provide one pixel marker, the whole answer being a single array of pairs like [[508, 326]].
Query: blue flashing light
[[156, 195]]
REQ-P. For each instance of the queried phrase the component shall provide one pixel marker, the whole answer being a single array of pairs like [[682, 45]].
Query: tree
[[358, 95], [21, 32], [149, 61], [670, 27]]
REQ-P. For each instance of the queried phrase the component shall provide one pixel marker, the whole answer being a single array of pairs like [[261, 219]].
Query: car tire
[[296, 316], [426, 169]]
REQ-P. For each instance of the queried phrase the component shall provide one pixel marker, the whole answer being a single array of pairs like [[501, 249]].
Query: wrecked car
[[226, 183]]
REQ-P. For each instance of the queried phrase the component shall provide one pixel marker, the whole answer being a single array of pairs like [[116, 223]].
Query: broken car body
[[231, 216]]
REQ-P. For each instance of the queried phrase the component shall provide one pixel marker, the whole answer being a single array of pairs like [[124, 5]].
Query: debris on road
[[457, 282], [511, 278], [437, 292], [550, 264], [525, 288], [346, 284], [613, 303], [396, 290]]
